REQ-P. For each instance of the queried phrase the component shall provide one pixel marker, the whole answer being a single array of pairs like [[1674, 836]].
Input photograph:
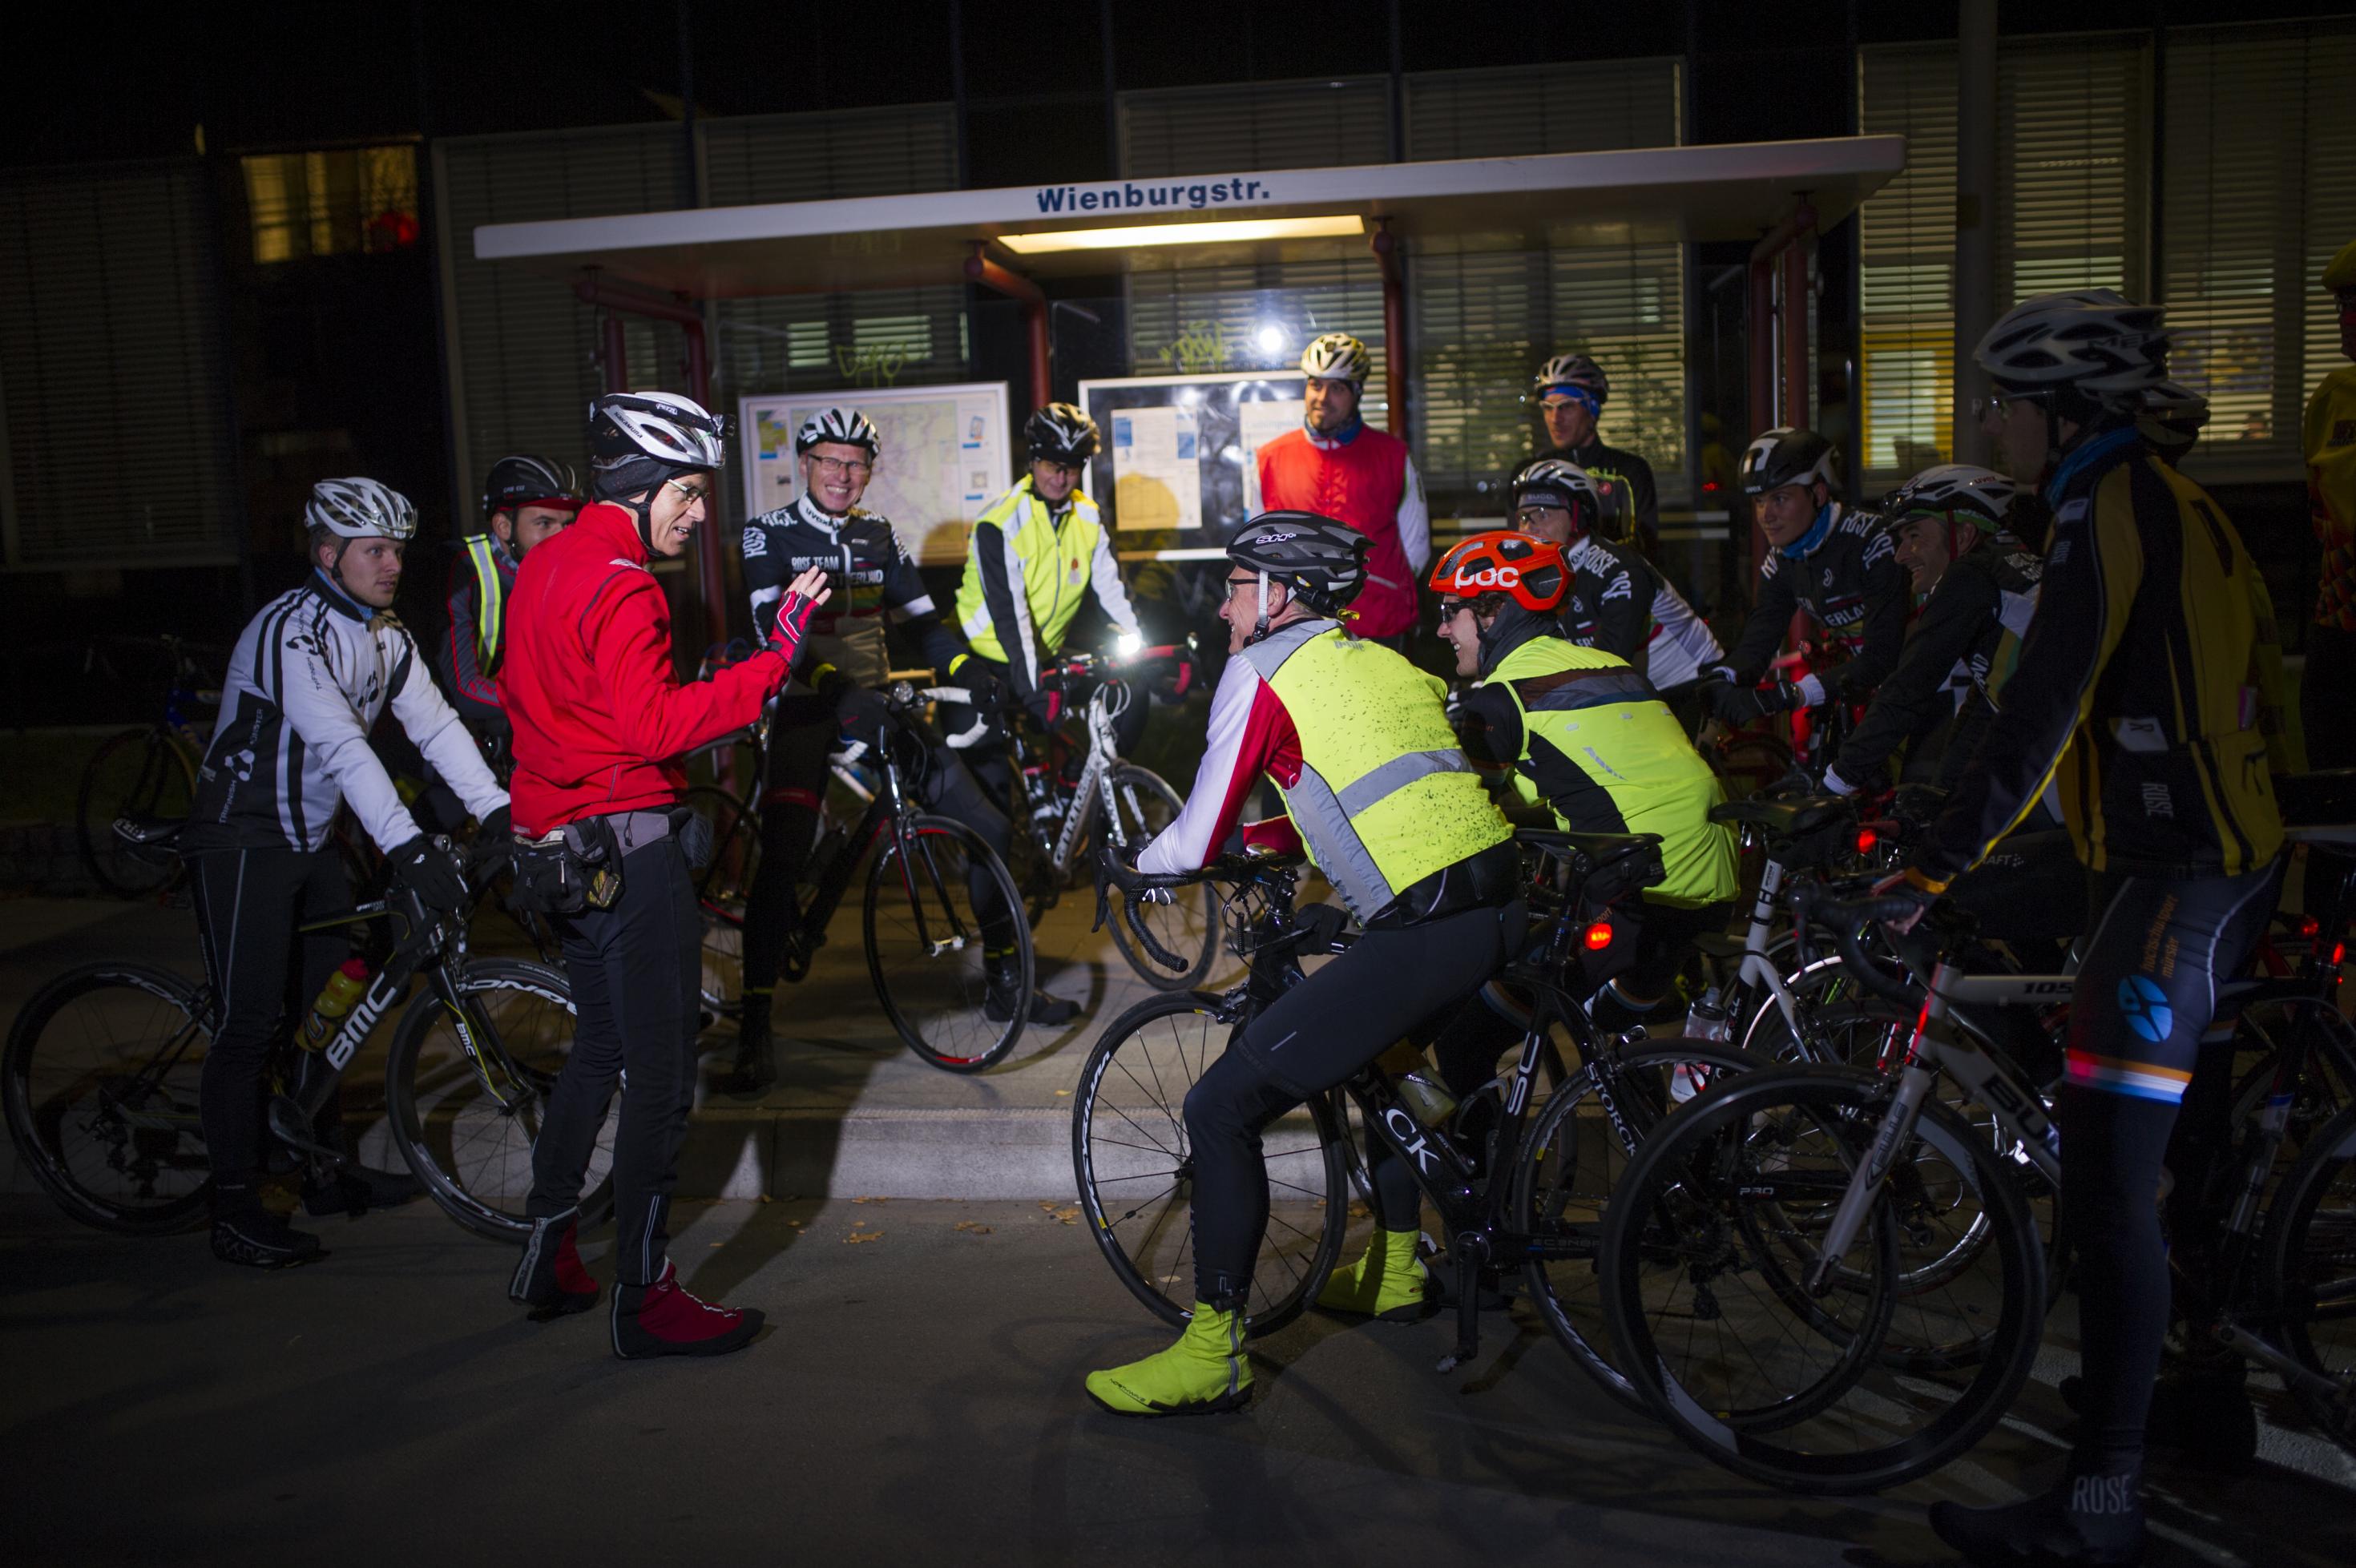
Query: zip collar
[[2091, 451], [341, 602], [808, 513], [1342, 437], [615, 529]]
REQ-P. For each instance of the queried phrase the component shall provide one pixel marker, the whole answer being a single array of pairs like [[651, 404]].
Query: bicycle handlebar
[[1843, 918]]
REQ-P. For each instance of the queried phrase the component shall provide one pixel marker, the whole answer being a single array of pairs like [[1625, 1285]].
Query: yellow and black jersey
[[2148, 687]]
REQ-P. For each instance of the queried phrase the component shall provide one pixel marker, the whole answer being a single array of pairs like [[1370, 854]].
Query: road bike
[[147, 772]]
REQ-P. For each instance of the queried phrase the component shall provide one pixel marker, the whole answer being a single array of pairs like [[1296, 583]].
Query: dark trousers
[[635, 968], [249, 903], [1315, 1036]]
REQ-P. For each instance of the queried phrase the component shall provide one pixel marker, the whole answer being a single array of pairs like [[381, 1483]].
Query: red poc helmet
[[1529, 570]]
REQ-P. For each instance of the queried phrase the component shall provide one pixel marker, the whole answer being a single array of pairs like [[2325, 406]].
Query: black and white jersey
[[306, 682], [1617, 601], [1851, 586], [870, 576]]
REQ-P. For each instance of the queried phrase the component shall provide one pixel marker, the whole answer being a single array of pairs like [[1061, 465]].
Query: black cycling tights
[[1317, 1035], [2144, 996]]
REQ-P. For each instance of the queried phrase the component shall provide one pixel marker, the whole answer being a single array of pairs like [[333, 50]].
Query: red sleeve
[[1250, 734], [628, 631]]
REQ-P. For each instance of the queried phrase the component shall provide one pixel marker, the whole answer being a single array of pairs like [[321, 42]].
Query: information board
[[944, 456], [1181, 452]]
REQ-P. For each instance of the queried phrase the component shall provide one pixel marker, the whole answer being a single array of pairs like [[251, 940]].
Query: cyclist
[[1336, 465], [600, 722], [2329, 442], [2145, 688], [1979, 588], [1359, 743], [1616, 600], [1823, 558], [1571, 391], [1584, 732], [526, 500], [306, 681], [842, 661]]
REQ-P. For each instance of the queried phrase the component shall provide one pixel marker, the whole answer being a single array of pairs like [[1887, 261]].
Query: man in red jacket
[[600, 722], [1337, 467]]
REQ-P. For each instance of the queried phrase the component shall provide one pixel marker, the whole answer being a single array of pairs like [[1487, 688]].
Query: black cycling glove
[[430, 871]]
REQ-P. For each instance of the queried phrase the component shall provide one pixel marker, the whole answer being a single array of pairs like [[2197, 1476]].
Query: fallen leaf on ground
[[856, 1237], [1060, 1093], [1069, 1216], [870, 1201], [972, 1227]]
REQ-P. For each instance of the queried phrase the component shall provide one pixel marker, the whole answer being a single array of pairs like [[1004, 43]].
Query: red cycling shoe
[[551, 1279], [665, 1319]]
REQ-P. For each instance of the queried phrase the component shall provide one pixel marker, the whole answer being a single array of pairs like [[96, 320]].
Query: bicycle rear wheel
[[1187, 927], [1133, 1163], [1708, 1248], [101, 1080], [465, 1124], [133, 772], [2310, 1274], [924, 949]]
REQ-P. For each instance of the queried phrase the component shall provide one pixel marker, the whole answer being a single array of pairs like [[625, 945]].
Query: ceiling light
[[1184, 233]]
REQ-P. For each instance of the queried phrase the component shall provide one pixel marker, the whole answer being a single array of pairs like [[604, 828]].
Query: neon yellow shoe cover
[[1386, 1279], [1203, 1371]]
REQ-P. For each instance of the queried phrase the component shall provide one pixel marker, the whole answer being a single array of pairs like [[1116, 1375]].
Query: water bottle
[[1708, 1018], [344, 988], [1432, 1104]]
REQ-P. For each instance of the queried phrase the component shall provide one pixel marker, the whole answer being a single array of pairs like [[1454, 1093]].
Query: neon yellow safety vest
[[1607, 721], [1386, 796], [490, 600], [1053, 565]]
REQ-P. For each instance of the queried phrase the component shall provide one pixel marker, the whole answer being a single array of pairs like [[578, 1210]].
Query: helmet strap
[[1260, 627]]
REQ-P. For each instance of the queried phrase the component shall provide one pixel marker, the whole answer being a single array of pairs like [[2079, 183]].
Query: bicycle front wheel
[[925, 944], [1712, 1290], [2310, 1278], [1135, 1167], [466, 1120], [101, 1080], [1187, 927], [135, 773]]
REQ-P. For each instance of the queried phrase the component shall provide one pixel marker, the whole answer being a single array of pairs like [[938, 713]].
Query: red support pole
[[1762, 345], [1386, 251], [617, 354]]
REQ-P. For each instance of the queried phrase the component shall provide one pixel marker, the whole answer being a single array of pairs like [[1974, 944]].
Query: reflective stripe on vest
[[1384, 797], [490, 600], [1057, 569]]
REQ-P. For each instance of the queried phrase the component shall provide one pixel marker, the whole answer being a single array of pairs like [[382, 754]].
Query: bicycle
[[1752, 1256], [1063, 808], [1506, 1198], [925, 951], [149, 770], [101, 1072]]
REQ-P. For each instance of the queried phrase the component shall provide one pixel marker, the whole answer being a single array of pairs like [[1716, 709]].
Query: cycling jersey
[[1362, 477], [1027, 569], [1618, 604], [871, 576], [1958, 653], [2148, 685], [2329, 444], [1850, 584], [1632, 507], [307, 679], [468, 652]]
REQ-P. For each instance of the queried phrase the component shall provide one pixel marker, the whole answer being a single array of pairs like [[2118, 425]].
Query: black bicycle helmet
[[1320, 561], [1061, 434], [1786, 456], [523, 480]]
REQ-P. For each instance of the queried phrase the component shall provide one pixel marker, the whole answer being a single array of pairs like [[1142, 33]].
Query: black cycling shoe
[[754, 1070], [259, 1239], [356, 1189], [2205, 1415], [2049, 1531]]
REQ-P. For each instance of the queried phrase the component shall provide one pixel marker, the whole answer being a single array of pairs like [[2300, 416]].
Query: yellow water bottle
[[344, 989]]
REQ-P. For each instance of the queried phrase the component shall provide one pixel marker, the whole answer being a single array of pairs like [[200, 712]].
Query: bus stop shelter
[[1778, 194]]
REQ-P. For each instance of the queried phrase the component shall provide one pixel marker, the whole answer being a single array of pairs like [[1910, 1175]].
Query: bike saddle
[[1781, 818], [149, 832]]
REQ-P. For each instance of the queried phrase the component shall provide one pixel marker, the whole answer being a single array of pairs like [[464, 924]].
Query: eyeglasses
[[693, 494], [1998, 405], [1235, 582], [1530, 517], [1452, 608], [846, 468]]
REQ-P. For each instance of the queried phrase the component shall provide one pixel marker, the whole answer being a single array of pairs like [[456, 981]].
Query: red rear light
[[2339, 954], [2306, 925], [1865, 839], [1599, 936]]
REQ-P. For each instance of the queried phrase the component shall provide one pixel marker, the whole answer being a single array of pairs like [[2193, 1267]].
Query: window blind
[[1906, 258], [1310, 124]]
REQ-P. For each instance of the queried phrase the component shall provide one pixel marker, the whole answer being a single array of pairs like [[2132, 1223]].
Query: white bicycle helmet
[[1336, 357], [1565, 370], [1951, 490], [1551, 480], [2094, 342], [847, 426], [359, 510], [628, 427]]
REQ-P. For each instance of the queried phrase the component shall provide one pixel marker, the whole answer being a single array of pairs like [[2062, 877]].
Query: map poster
[[1181, 454], [944, 457]]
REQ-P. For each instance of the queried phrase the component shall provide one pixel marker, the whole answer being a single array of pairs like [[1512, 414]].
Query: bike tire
[[44, 1092], [1130, 1161], [1560, 1195], [2308, 1273], [473, 1157], [1714, 1187], [1187, 926], [161, 783], [940, 1010]]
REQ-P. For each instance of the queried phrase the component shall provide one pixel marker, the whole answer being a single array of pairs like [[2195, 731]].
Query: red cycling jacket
[[600, 718]]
